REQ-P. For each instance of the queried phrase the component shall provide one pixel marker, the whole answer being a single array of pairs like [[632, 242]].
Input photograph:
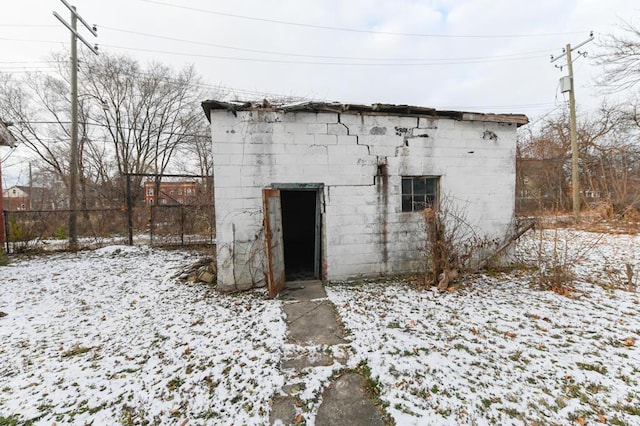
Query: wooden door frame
[[318, 188], [273, 243]]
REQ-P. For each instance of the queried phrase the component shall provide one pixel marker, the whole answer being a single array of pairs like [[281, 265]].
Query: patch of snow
[[500, 352], [109, 336]]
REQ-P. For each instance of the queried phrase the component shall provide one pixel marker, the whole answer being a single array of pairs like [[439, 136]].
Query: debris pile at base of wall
[[203, 271]]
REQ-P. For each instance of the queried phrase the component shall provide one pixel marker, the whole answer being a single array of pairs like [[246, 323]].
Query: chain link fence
[[164, 220]]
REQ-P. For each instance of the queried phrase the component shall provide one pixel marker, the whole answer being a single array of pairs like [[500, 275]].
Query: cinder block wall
[[365, 232]]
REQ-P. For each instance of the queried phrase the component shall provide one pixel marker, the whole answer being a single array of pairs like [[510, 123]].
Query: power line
[[353, 30], [30, 41], [27, 25], [501, 58], [87, 123], [30, 62], [271, 52], [282, 61], [266, 94], [402, 62], [27, 69], [6, 157], [221, 88]]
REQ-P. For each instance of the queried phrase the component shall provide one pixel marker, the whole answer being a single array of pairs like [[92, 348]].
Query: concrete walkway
[[312, 321]]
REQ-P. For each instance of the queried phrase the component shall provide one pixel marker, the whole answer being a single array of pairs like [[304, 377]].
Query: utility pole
[[73, 156], [575, 172]]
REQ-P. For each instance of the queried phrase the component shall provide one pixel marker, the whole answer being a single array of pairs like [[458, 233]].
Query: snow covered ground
[[109, 336], [499, 352]]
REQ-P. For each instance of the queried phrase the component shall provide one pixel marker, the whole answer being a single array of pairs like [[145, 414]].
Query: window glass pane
[[430, 200], [406, 203], [406, 186], [419, 186], [431, 186], [419, 202]]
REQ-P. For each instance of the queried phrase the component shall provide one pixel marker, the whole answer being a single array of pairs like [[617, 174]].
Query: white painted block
[[305, 150], [348, 140], [225, 135], [304, 139], [283, 138], [445, 124], [296, 128], [351, 119], [390, 121], [428, 123], [337, 129], [325, 139], [314, 173], [276, 148], [306, 117], [316, 128], [228, 148], [327, 117]]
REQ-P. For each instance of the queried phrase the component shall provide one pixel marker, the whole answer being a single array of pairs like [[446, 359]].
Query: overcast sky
[[474, 55]]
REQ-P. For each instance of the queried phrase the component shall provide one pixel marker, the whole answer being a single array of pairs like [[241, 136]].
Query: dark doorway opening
[[300, 234]]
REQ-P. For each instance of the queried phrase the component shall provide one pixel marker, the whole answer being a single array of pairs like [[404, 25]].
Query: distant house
[[24, 198], [170, 193], [336, 191]]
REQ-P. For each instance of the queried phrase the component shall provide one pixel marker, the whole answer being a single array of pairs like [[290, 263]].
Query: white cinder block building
[[335, 191]]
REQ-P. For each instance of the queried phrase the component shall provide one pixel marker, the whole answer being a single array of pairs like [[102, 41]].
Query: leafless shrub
[[632, 281], [452, 245], [555, 261], [622, 278]]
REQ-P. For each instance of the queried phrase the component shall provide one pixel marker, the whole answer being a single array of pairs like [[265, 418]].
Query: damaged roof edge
[[374, 109], [6, 137]]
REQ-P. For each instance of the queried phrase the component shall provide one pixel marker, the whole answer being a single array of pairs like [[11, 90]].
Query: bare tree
[[620, 59], [196, 155], [146, 113], [542, 175], [132, 119], [608, 160], [39, 105]]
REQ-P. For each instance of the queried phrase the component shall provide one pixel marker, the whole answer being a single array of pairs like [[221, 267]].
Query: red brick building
[[170, 193]]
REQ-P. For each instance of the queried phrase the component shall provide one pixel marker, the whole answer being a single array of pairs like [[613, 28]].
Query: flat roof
[[373, 109]]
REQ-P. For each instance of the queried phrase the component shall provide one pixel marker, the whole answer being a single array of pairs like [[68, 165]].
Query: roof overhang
[[374, 109], [6, 137]]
